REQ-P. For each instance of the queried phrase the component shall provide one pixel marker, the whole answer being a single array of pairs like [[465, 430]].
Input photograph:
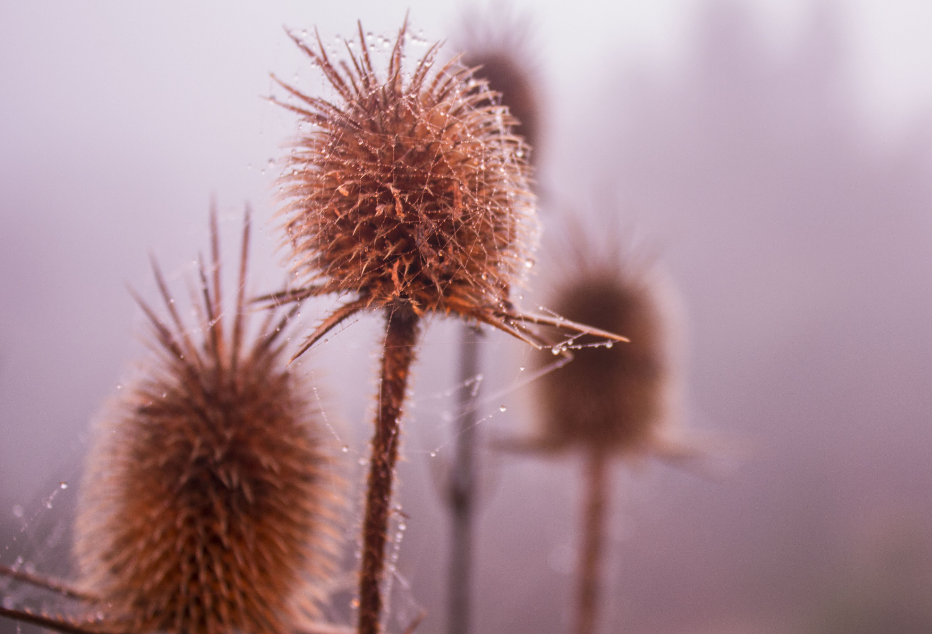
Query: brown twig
[[597, 486]]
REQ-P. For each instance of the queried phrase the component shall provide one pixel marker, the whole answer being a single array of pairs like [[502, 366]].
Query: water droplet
[[502, 408], [17, 510], [433, 454], [609, 344], [362, 461], [529, 263], [345, 448], [48, 504], [271, 163], [63, 484], [555, 350], [119, 386], [402, 526], [354, 604], [521, 369]]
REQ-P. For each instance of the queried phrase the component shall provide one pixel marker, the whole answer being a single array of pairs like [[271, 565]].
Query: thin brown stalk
[[597, 485], [401, 329]]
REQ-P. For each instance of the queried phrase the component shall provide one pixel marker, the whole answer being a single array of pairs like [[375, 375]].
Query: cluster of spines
[[209, 500]]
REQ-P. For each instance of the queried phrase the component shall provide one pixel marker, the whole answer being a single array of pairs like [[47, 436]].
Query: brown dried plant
[[609, 402], [209, 504], [411, 193], [495, 45]]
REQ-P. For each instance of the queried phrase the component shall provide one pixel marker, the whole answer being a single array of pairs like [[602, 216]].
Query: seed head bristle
[[209, 503], [609, 399]]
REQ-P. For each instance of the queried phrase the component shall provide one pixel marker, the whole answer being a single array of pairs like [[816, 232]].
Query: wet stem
[[401, 329]]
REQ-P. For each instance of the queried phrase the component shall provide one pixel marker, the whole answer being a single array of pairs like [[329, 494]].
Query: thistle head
[[409, 187], [610, 398], [208, 503]]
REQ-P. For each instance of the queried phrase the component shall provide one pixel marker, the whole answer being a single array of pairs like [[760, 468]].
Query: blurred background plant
[[778, 152]]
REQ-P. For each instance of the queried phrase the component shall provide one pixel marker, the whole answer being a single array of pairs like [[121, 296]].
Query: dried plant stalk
[[590, 568], [410, 192], [609, 402], [497, 49]]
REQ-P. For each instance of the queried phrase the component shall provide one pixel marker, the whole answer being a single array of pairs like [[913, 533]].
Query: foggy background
[[776, 154]]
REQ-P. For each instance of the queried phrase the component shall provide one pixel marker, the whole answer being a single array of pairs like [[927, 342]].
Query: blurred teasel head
[[209, 503], [609, 398], [496, 45]]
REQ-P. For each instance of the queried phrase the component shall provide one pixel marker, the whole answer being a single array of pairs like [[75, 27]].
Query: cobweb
[[35, 541]]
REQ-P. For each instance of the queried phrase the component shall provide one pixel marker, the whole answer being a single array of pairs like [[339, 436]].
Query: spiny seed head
[[408, 188], [612, 399], [496, 46], [208, 504]]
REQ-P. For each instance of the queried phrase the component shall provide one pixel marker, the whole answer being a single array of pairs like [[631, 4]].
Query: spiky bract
[[408, 189], [610, 399], [208, 503]]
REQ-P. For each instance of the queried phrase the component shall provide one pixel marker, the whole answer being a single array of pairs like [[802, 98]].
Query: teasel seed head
[[614, 399], [409, 191], [209, 501]]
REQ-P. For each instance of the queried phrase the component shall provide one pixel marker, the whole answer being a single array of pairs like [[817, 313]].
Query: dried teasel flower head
[[209, 503], [496, 45], [614, 399], [408, 189]]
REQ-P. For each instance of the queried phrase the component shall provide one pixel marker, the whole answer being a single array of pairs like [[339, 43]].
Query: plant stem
[[463, 485], [593, 536], [401, 328]]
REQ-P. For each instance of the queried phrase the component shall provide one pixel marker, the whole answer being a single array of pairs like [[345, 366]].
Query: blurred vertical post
[[462, 487]]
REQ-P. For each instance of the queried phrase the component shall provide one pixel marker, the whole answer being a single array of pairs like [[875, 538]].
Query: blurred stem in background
[[590, 553], [462, 485]]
